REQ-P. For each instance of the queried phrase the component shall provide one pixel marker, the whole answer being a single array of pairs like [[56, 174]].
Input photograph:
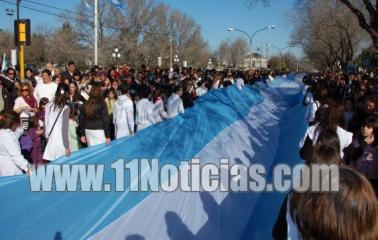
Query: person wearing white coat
[[270, 78], [159, 112], [12, 162], [144, 112], [312, 106], [175, 106], [58, 113], [45, 89], [123, 115], [201, 90]]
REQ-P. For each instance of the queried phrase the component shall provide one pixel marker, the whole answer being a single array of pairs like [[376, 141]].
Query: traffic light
[[22, 32]]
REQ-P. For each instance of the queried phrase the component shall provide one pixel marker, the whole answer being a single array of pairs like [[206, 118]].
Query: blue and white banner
[[119, 4], [253, 125]]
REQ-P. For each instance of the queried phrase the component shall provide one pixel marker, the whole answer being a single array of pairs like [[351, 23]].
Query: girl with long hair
[[94, 119], [159, 112], [110, 101], [29, 77], [56, 125], [328, 118], [350, 213], [75, 100]]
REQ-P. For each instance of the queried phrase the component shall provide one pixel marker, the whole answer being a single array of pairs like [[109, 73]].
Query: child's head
[[74, 114], [348, 104], [42, 103], [112, 94], [370, 127], [349, 213], [326, 154], [330, 138]]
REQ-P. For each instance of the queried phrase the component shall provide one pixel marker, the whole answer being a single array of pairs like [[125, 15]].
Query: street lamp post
[[116, 54], [176, 59], [209, 64], [250, 37]]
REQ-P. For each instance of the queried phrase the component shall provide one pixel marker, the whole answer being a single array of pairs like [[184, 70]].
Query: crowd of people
[[50, 114], [342, 117], [347, 105], [61, 112]]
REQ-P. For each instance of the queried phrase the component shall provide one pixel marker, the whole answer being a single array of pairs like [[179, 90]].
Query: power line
[[80, 20], [46, 12], [56, 8]]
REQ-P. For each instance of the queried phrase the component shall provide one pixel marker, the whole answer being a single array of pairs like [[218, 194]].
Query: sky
[[214, 16]]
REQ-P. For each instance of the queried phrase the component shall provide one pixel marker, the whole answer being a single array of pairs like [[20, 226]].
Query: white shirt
[[55, 146], [84, 91], [123, 116], [39, 80], [312, 107], [270, 79], [46, 90], [201, 91], [20, 105], [240, 83], [11, 160], [229, 80], [345, 137], [175, 106], [145, 113], [159, 111]]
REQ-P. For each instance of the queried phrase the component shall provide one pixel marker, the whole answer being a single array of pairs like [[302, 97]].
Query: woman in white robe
[[159, 112], [123, 115], [12, 162], [58, 113]]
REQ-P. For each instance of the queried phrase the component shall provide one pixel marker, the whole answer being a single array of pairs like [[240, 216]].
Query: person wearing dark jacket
[[6, 102], [9, 82], [71, 71], [363, 152], [94, 119]]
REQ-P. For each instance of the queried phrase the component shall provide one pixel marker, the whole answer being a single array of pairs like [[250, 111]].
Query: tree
[[64, 45], [232, 52], [365, 11], [326, 32], [6, 42], [223, 53], [368, 58], [37, 53], [143, 31], [286, 62]]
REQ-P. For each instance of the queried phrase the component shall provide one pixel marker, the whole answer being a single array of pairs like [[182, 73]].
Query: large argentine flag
[[253, 125]]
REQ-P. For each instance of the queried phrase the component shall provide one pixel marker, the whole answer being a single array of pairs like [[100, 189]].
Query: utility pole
[[250, 37], [96, 32], [18, 9], [171, 52], [21, 48]]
